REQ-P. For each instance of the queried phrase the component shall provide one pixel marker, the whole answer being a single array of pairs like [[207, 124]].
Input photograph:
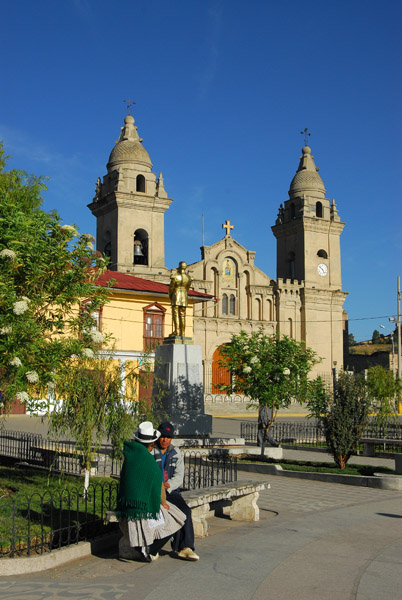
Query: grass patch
[[45, 510], [320, 467]]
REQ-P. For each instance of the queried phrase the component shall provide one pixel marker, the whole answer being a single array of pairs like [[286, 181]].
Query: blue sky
[[222, 90]]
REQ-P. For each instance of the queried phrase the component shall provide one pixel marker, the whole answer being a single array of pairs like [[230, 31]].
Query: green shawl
[[139, 495]]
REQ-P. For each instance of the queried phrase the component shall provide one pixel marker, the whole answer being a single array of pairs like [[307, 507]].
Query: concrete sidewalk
[[315, 541]]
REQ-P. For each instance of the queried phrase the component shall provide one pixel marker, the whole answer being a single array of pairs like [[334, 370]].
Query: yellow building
[[138, 315]]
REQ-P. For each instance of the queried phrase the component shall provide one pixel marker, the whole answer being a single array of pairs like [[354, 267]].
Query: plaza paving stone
[[314, 541]]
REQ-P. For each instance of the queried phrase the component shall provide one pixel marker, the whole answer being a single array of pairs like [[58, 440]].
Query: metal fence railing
[[311, 434], [201, 469], [42, 522]]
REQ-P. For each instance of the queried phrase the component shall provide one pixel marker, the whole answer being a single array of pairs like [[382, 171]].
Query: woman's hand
[[165, 505]]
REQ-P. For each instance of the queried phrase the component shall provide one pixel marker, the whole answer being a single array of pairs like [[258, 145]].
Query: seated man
[[171, 462]]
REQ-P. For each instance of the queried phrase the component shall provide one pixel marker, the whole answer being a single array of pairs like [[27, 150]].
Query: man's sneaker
[[154, 556], [187, 554]]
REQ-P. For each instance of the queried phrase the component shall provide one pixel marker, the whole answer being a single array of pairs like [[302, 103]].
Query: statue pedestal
[[178, 386]]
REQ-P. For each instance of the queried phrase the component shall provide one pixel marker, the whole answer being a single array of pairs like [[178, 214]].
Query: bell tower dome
[[129, 207], [308, 230]]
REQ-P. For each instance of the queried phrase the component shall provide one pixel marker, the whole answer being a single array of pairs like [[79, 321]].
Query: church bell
[[138, 249]]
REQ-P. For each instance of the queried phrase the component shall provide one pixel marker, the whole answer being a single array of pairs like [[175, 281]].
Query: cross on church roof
[[129, 104], [227, 226], [306, 135]]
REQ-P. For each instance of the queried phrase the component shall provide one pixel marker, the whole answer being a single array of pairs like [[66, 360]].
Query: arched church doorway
[[220, 375]]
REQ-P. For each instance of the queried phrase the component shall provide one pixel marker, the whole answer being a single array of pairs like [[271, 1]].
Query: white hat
[[146, 433]]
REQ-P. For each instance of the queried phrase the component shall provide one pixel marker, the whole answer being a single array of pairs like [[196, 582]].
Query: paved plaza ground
[[315, 541]]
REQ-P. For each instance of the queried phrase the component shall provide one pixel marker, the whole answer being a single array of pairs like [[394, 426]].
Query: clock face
[[322, 270]]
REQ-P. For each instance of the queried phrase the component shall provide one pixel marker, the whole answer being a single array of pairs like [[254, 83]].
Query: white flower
[[254, 360], [69, 229], [247, 369], [6, 253], [96, 336], [286, 371], [22, 397], [32, 376], [15, 362], [6, 330], [20, 307], [50, 387], [88, 237], [88, 353]]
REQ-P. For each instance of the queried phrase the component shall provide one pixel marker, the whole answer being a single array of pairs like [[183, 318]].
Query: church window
[[140, 187], [322, 254], [292, 211], [224, 304], [107, 245], [232, 304], [290, 328], [258, 312], [318, 209], [154, 322], [269, 315], [291, 262], [140, 251]]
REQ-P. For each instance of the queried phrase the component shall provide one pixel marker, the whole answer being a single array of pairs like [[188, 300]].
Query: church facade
[[304, 301]]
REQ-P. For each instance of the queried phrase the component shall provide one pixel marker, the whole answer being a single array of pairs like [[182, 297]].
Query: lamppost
[[391, 333]]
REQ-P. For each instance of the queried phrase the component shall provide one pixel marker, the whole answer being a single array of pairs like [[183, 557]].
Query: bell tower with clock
[[308, 230]]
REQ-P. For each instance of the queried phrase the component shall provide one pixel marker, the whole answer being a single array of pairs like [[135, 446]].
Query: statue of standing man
[[179, 285]]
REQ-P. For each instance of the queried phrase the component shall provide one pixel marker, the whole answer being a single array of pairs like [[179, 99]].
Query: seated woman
[[141, 498]]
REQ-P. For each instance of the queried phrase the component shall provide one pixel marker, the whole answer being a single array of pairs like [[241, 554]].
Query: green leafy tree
[[94, 401], [271, 370], [46, 271], [384, 389], [351, 340], [376, 338], [343, 415]]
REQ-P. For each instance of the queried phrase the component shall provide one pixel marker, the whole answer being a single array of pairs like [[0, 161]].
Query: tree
[[376, 337], [384, 388], [97, 403], [351, 340], [46, 271], [343, 415], [271, 370]]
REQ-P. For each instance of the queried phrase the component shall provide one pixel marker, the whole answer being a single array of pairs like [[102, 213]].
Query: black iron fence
[[311, 434], [206, 470], [39, 523], [201, 469]]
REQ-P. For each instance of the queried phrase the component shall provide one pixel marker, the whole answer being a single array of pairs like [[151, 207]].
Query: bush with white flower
[[269, 369], [47, 270]]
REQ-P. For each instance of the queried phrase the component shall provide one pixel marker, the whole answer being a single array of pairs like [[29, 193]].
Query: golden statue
[[178, 292]]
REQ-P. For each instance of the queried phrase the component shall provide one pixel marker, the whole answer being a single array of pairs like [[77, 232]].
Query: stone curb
[[379, 481], [50, 560]]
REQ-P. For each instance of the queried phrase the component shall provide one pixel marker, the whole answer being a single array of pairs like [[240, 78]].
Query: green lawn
[[49, 509], [320, 467]]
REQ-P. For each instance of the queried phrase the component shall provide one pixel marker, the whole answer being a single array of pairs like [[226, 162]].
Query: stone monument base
[[178, 387]]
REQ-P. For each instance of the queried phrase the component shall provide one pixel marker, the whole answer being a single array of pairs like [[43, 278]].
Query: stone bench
[[369, 449], [237, 500]]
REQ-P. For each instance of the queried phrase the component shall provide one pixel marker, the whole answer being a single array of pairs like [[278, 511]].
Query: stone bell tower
[[129, 207], [308, 230]]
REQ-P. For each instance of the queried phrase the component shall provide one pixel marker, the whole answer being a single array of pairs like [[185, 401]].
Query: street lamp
[[393, 346]]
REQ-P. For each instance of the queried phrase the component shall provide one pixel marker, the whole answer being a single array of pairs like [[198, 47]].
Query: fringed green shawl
[[139, 495]]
